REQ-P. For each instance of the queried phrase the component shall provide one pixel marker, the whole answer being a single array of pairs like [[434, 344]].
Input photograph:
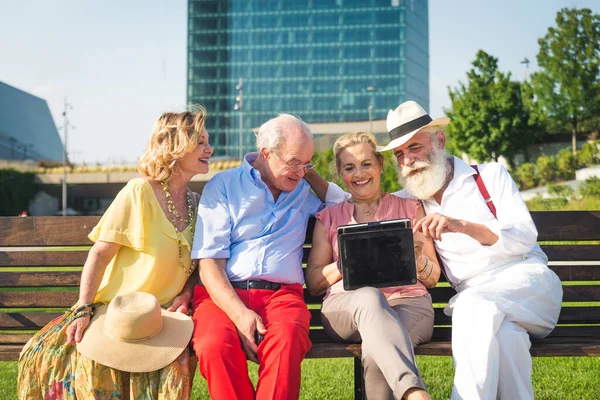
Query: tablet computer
[[378, 254]]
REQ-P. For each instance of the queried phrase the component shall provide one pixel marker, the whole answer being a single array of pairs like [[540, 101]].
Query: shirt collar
[[248, 169], [462, 171]]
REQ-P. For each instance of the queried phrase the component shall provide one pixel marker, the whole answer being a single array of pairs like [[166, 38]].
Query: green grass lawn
[[553, 378]]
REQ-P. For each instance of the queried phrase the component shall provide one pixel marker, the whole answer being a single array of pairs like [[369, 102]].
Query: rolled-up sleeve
[[335, 195], [212, 238], [514, 227]]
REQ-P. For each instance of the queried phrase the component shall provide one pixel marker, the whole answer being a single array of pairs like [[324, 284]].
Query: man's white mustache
[[406, 169]]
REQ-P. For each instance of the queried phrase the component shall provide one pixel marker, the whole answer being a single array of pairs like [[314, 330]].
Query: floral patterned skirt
[[50, 369]]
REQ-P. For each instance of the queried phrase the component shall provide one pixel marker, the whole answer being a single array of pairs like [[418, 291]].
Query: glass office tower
[[323, 60]]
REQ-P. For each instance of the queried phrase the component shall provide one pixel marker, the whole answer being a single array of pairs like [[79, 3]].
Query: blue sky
[[122, 63]]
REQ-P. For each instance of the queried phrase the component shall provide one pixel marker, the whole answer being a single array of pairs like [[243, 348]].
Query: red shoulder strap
[[483, 191]]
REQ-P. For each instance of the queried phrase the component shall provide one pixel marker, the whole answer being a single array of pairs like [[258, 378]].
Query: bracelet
[[428, 275], [82, 314], [426, 265], [83, 307]]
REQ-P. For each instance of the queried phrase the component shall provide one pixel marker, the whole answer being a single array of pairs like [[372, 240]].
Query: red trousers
[[222, 360]]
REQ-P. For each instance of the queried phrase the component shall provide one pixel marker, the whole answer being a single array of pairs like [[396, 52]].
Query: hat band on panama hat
[[131, 340], [409, 127]]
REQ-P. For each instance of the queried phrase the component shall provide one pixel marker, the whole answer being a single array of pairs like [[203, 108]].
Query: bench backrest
[[41, 260]]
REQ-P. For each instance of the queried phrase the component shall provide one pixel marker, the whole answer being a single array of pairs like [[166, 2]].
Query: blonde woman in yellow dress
[[141, 244]]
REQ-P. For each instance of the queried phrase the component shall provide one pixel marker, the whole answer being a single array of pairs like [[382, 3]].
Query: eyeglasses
[[296, 167]]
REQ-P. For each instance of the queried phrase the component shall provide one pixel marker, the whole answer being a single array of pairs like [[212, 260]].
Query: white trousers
[[493, 316]]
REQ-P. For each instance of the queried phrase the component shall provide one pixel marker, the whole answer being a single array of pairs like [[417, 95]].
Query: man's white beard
[[427, 182]]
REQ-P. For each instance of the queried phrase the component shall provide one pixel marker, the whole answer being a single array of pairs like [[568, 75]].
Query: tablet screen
[[377, 254]]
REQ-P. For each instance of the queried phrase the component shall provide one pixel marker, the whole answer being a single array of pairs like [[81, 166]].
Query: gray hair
[[271, 133]]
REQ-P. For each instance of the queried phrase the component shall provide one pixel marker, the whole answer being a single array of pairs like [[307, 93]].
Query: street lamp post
[[238, 106], [526, 62], [371, 89], [64, 180]]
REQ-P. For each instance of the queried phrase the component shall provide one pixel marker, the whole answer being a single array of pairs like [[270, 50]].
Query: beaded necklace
[[175, 216], [171, 207]]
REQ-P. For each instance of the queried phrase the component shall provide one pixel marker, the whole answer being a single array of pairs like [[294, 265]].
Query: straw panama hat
[[406, 120], [134, 334]]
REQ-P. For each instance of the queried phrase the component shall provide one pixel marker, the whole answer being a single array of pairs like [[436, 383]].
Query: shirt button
[[525, 256]]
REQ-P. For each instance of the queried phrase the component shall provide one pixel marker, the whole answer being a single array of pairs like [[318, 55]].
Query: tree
[[567, 85], [491, 114], [17, 189]]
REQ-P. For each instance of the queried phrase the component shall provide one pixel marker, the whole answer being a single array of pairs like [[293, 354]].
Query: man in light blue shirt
[[249, 237]]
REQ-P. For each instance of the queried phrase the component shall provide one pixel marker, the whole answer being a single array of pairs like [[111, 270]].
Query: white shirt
[[463, 256]]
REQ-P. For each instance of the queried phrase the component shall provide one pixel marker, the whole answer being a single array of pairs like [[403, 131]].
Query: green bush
[[546, 169], [589, 155], [560, 195], [591, 187], [526, 176], [560, 191], [566, 164], [17, 189]]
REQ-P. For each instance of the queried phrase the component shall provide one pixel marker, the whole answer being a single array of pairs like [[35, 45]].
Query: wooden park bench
[[31, 296]]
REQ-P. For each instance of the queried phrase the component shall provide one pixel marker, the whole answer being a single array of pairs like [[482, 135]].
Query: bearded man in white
[[488, 247]]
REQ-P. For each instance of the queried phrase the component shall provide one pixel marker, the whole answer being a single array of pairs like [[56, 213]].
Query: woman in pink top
[[388, 321]]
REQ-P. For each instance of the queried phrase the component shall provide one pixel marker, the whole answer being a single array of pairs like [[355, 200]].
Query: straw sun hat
[[134, 334], [406, 120]]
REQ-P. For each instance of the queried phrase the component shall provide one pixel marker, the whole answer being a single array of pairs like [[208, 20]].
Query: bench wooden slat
[[66, 299], [564, 252], [551, 225], [568, 273], [580, 293], [567, 225], [10, 352], [585, 293], [71, 278], [38, 319], [576, 347], [46, 231], [583, 252], [444, 333], [40, 279], [542, 348], [14, 338], [42, 258], [26, 320], [38, 299], [547, 347], [568, 315]]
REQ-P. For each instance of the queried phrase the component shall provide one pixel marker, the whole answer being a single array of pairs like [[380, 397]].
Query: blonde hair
[[173, 136], [351, 139]]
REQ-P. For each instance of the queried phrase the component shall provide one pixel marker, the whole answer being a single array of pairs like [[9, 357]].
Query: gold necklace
[[368, 212], [171, 209]]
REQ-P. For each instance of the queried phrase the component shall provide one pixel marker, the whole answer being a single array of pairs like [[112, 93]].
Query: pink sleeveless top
[[390, 207]]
